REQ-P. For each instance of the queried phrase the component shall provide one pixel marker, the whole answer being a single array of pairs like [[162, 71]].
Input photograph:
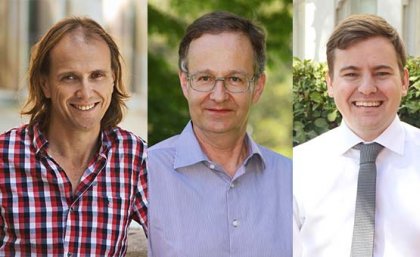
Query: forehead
[[221, 51], [228, 39], [370, 51], [76, 45]]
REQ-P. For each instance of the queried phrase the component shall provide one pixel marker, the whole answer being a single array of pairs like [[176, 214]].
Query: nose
[[85, 89], [367, 85], [219, 93]]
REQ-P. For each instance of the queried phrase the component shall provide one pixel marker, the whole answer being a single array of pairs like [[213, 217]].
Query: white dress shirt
[[325, 172]]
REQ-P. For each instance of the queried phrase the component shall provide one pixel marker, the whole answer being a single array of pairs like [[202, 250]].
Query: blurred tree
[[271, 119]]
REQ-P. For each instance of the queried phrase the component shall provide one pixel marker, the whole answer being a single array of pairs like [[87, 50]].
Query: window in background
[[347, 7], [298, 28], [411, 23]]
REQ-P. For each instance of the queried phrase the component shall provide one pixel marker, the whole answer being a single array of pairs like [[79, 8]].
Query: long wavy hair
[[37, 105]]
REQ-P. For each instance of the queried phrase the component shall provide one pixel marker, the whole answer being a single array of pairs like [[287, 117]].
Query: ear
[[184, 83], [258, 88], [45, 86], [330, 88], [405, 82]]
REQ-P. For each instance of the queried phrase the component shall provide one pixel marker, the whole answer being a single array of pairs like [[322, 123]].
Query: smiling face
[[367, 86], [80, 83], [221, 55]]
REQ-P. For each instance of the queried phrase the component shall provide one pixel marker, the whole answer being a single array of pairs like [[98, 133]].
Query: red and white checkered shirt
[[39, 214]]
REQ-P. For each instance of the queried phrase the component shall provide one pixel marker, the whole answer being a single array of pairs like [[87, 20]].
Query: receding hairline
[[219, 32], [83, 33]]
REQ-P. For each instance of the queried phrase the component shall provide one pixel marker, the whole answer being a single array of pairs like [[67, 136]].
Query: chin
[[220, 129], [89, 127]]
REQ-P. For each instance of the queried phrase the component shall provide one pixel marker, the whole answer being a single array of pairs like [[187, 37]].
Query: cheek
[[244, 103], [107, 92], [196, 98], [342, 90]]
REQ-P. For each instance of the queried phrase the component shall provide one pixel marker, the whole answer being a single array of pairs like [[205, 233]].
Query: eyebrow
[[352, 68], [212, 72], [379, 67], [68, 72]]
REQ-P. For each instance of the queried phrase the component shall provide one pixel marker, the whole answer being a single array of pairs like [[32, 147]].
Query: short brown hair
[[221, 21], [37, 105], [360, 27]]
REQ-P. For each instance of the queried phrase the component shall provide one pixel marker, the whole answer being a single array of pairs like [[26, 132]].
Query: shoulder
[[13, 144], [412, 132], [412, 135], [125, 144], [275, 159], [163, 151], [17, 135], [314, 145], [165, 146], [119, 136]]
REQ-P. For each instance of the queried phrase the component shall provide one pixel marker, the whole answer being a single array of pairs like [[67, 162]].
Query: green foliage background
[[315, 112], [271, 119]]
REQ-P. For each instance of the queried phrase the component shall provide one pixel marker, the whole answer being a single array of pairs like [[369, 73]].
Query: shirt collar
[[254, 150], [393, 137], [387, 138], [40, 141], [107, 139], [188, 151]]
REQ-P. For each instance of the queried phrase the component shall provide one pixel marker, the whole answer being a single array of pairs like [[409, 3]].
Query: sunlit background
[[23, 22], [314, 21], [270, 122]]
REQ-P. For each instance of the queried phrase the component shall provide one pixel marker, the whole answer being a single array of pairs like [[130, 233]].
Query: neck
[[77, 147], [226, 149]]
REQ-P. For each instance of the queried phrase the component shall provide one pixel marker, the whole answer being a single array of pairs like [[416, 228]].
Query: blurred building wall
[[314, 21], [23, 22]]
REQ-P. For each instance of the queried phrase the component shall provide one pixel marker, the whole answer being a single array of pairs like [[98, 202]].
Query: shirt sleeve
[[141, 198]]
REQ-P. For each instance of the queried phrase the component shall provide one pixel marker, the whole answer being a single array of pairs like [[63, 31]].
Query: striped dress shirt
[[197, 210]]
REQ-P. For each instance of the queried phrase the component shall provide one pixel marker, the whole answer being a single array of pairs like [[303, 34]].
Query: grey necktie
[[364, 218]]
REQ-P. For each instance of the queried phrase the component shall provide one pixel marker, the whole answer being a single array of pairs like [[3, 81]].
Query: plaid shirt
[[39, 214]]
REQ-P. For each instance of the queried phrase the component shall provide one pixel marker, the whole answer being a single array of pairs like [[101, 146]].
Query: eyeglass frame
[[223, 79]]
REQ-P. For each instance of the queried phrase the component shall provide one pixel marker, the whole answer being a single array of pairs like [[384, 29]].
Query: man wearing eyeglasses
[[213, 190]]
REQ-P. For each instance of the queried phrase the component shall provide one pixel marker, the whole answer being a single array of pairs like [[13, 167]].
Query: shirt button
[[232, 185], [211, 166], [235, 223]]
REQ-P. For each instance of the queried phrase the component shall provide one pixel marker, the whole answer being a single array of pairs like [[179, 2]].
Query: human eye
[[382, 74], [236, 79], [350, 75], [68, 78], [203, 78], [97, 75]]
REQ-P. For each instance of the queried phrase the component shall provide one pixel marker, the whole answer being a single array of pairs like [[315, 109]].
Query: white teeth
[[84, 107], [368, 104]]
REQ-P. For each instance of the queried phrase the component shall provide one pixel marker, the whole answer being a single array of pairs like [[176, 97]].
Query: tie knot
[[368, 152]]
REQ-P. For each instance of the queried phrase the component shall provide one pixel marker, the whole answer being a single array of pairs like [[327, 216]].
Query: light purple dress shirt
[[197, 210]]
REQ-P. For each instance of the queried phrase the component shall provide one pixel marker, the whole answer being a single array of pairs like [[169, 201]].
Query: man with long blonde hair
[[71, 181]]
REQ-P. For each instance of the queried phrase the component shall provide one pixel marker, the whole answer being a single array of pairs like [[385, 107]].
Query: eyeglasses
[[236, 83]]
